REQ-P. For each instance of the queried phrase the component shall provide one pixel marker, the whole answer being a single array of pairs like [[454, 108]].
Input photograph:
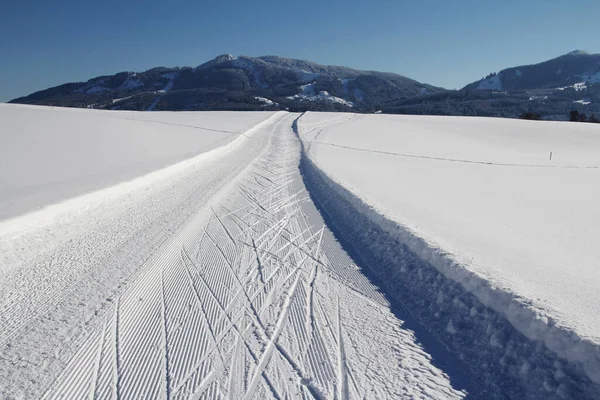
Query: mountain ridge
[[550, 89], [237, 81], [574, 67]]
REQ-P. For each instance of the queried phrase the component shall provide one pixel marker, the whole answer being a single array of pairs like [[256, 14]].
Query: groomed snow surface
[[52, 154], [214, 277], [480, 202], [277, 255]]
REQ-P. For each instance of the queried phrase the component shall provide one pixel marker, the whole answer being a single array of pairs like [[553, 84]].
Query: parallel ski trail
[[253, 300]]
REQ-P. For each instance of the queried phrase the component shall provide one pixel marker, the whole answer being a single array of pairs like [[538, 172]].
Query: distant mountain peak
[[237, 82], [578, 53], [225, 57], [560, 72]]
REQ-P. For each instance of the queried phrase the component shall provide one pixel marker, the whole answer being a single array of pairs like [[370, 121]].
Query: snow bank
[[52, 154], [465, 249]]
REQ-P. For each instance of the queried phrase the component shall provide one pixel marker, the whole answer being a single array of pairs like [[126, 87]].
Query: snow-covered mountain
[[229, 82], [551, 89], [576, 67]]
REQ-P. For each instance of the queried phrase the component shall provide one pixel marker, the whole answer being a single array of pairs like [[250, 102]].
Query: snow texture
[[52, 154], [213, 278], [480, 201]]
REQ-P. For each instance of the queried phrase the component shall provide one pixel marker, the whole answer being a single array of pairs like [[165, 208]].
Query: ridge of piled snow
[[503, 227], [491, 83]]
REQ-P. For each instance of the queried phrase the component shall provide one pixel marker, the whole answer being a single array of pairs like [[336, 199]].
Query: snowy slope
[[308, 92], [481, 201], [49, 155], [215, 277], [491, 83]]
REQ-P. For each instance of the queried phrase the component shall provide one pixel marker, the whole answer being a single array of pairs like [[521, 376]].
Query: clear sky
[[447, 43]]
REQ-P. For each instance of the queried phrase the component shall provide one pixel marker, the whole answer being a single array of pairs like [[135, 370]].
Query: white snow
[[308, 93], [491, 83], [123, 98], [518, 230], [214, 277], [584, 101], [267, 102], [577, 86], [52, 154]]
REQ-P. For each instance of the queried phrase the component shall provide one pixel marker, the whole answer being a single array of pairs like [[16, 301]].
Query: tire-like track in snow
[[252, 298]]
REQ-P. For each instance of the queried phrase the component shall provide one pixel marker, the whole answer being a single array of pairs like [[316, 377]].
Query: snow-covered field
[[52, 154], [216, 255], [481, 201], [215, 277]]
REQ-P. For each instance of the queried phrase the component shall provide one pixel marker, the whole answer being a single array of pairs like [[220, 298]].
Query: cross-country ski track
[[219, 279]]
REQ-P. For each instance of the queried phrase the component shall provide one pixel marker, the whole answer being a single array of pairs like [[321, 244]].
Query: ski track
[[250, 297]]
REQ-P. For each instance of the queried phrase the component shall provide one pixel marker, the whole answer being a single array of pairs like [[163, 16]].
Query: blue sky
[[442, 42]]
